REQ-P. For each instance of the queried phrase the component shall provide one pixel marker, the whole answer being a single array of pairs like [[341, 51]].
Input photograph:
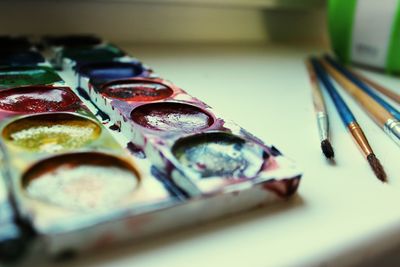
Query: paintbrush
[[320, 112], [361, 85], [385, 91], [350, 121], [378, 113]]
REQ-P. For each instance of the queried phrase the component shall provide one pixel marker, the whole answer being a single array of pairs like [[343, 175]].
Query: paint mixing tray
[[104, 151]]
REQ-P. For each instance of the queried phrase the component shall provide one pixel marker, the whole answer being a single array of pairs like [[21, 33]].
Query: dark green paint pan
[[23, 76]]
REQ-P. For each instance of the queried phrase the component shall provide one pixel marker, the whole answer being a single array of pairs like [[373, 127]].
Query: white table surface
[[342, 214]]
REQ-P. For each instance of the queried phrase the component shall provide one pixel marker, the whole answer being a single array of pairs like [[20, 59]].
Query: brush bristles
[[327, 149], [376, 167]]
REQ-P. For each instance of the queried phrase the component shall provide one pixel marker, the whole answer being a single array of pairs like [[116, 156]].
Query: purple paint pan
[[137, 90], [172, 117]]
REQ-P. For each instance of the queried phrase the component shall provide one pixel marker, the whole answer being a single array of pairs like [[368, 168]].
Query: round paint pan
[[172, 117], [81, 181], [102, 72], [219, 154], [23, 76], [51, 132], [34, 99], [136, 90]]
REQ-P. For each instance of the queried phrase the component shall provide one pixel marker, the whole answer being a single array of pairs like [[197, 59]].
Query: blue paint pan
[[102, 72]]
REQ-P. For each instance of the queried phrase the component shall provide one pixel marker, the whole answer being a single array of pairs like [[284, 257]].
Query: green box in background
[[366, 32]]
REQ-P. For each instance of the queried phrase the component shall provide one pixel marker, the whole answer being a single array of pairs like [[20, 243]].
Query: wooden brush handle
[[376, 111], [318, 99], [378, 87]]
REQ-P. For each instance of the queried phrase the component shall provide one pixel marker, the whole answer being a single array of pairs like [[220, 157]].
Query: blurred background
[[171, 21]]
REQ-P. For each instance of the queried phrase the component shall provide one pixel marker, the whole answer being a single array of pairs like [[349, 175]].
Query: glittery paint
[[171, 117], [51, 132], [130, 90], [20, 58], [81, 182], [219, 154], [102, 72], [37, 99], [23, 76], [96, 54]]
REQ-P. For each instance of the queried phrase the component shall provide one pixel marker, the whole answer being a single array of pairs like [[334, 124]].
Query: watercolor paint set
[[97, 149]]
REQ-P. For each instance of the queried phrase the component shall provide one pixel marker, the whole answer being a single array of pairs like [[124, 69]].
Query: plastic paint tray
[[153, 159]]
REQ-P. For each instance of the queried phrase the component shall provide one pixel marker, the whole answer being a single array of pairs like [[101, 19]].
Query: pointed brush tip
[[377, 167], [327, 149]]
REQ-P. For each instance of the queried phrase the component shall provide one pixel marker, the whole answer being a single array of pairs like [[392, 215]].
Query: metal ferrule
[[360, 138], [323, 125], [392, 128]]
